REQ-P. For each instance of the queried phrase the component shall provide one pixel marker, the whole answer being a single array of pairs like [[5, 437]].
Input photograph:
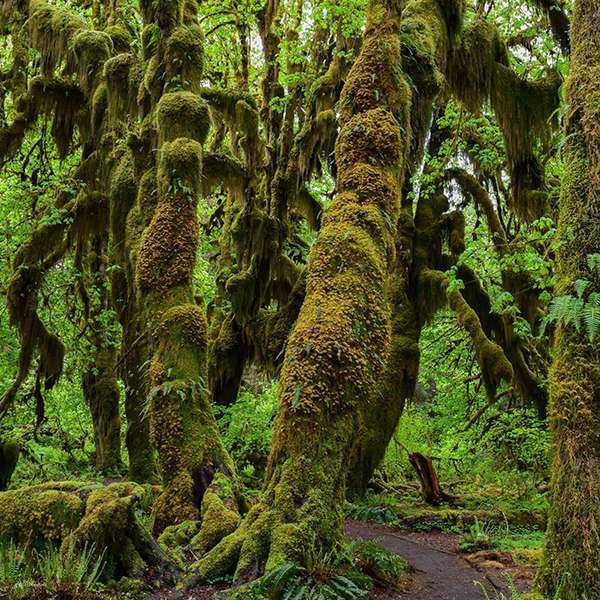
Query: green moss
[[184, 57], [121, 89], [168, 249], [61, 100], [218, 521], [182, 115], [110, 529], [176, 536], [36, 517], [89, 50], [51, 31], [120, 37]]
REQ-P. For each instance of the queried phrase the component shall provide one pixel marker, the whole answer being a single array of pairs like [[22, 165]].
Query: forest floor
[[441, 573]]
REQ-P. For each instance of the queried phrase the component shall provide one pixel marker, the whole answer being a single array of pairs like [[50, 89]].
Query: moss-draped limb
[[45, 247], [571, 564], [530, 362], [493, 363], [525, 109]]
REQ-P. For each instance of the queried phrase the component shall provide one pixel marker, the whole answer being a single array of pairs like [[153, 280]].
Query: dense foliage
[[269, 264]]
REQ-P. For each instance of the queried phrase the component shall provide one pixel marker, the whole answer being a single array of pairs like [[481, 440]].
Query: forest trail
[[440, 573]]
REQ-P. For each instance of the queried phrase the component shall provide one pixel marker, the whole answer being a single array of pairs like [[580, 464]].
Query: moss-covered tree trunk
[[571, 565], [183, 430], [101, 392], [339, 343]]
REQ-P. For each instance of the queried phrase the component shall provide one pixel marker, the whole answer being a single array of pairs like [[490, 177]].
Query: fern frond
[[591, 318], [580, 286]]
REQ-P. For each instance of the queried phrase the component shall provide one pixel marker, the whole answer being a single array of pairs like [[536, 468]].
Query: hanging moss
[[238, 109], [99, 108], [61, 100], [51, 31], [526, 112], [12, 136], [89, 50], [221, 169], [9, 456], [526, 109], [184, 57], [432, 286], [472, 64], [121, 90], [120, 38]]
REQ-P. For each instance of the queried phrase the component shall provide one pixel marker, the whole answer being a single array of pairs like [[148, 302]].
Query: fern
[[591, 316], [593, 261], [293, 582], [576, 311], [381, 515]]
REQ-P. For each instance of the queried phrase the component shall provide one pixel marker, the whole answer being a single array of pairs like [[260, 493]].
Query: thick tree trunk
[[571, 564], [339, 343], [142, 466], [191, 457], [99, 381]]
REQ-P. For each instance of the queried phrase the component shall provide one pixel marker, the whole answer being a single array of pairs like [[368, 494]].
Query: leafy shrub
[[476, 538], [246, 429]]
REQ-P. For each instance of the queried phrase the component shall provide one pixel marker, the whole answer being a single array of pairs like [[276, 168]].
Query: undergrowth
[[349, 573], [70, 573]]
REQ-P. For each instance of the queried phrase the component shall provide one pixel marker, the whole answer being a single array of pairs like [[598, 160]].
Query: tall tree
[[571, 564]]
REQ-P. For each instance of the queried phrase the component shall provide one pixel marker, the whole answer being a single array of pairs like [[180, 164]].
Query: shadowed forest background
[[300, 299]]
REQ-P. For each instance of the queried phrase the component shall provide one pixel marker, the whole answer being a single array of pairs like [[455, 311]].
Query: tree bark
[[571, 566]]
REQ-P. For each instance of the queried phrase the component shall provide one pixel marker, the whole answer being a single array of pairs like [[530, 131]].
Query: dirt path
[[441, 574]]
